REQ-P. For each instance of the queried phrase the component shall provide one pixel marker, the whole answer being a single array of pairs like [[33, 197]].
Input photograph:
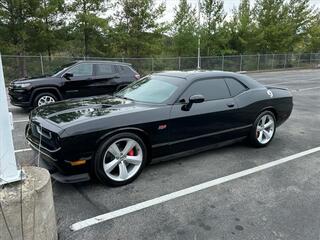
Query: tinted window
[[211, 89], [81, 70], [104, 69], [125, 69], [235, 86]]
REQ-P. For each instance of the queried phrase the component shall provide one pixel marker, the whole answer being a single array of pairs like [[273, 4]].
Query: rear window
[[104, 69], [235, 86]]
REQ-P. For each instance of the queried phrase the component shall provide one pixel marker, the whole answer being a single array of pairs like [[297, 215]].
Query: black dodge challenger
[[163, 115]]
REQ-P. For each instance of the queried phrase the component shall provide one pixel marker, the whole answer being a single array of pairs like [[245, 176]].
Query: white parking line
[[23, 150], [292, 81], [20, 120], [124, 211], [305, 89]]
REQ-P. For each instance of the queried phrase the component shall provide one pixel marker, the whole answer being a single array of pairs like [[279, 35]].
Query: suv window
[[125, 69], [235, 86], [84, 69], [211, 89], [104, 69]]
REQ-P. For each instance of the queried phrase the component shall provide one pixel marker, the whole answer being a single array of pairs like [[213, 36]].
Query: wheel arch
[[52, 90], [271, 109]]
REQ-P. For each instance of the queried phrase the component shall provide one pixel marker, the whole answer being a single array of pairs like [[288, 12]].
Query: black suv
[[74, 80]]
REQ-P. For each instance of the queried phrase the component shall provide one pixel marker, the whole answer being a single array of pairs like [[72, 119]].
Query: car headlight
[[22, 85]]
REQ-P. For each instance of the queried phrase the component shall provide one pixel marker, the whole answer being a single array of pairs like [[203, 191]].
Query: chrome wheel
[[123, 159], [44, 100], [265, 129]]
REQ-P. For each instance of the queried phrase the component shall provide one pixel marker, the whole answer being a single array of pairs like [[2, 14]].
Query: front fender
[[43, 89]]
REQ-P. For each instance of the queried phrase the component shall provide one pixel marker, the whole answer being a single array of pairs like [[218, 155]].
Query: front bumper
[[57, 175], [53, 160], [20, 98]]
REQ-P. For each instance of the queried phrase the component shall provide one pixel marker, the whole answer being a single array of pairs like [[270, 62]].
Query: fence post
[[222, 63], [258, 63], [272, 62], [152, 64], [310, 58], [240, 62], [8, 166], [285, 61], [41, 61], [122, 59], [299, 60], [179, 63]]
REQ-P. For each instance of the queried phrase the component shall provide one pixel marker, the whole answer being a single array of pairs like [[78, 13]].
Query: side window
[[125, 69], [235, 86], [84, 69], [211, 89], [104, 69]]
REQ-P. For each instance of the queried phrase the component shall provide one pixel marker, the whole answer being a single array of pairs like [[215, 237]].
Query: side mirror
[[196, 99], [68, 76], [193, 99]]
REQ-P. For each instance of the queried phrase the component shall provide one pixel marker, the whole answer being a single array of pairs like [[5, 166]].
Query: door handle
[[230, 105]]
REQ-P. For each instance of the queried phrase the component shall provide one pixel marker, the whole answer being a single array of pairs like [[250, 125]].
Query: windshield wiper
[[123, 97]]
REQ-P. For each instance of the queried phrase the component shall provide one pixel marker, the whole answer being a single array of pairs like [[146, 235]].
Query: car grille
[[35, 133]]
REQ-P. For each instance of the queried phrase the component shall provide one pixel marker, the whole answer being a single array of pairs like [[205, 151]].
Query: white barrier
[[8, 166]]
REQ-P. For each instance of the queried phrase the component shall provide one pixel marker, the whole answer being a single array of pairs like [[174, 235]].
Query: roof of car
[[103, 61], [192, 75], [199, 74]]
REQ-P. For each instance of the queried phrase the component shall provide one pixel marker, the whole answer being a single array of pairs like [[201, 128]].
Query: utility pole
[[8, 166], [199, 15]]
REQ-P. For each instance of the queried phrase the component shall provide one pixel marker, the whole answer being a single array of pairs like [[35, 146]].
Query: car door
[[205, 123], [78, 85], [106, 78], [244, 112]]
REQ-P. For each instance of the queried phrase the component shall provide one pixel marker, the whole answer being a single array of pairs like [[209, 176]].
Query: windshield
[[60, 69], [152, 89]]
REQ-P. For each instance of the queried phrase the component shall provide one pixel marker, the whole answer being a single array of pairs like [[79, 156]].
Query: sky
[[228, 5]]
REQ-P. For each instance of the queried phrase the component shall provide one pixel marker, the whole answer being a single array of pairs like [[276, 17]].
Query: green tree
[[15, 18], [87, 22], [301, 16], [311, 41], [242, 29], [46, 26], [184, 30], [138, 31], [213, 16], [272, 25]]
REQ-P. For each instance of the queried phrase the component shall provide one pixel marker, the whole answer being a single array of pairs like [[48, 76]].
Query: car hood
[[32, 79], [73, 111]]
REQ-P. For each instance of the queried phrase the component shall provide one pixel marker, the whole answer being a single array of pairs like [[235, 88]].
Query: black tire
[[97, 166], [40, 95], [253, 137]]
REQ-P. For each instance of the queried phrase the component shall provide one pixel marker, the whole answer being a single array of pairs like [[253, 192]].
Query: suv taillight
[[137, 76]]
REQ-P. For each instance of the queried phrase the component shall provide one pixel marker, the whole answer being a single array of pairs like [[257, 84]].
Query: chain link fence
[[32, 66]]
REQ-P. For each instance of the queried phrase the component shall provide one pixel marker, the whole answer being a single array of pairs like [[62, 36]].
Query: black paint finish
[[78, 127]]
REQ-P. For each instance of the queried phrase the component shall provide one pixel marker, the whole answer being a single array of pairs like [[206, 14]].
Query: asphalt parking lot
[[281, 202]]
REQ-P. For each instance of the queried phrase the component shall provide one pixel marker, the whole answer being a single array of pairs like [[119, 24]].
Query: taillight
[[137, 76]]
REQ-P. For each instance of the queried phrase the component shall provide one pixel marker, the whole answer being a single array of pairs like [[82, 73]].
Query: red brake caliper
[[131, 152]]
